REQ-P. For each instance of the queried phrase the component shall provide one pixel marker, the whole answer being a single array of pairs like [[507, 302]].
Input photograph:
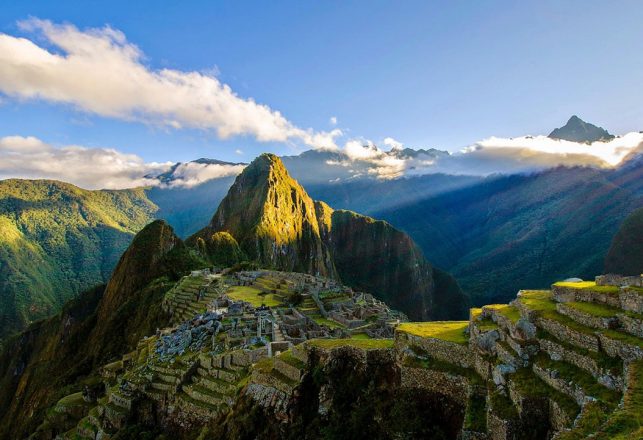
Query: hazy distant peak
[[577, 130]]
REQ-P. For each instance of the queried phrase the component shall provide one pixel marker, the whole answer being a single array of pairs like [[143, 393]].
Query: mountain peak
[[577, 130], [266, 162], [272, 218]]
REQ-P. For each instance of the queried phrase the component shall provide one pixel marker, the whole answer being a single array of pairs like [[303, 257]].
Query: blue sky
[[429, 74]]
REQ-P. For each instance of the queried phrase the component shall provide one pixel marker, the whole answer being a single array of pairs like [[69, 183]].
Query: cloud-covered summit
[[493, 155]]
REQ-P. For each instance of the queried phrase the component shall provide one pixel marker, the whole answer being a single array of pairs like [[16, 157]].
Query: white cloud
[[611, 152], [92, 168], [393, 144], [333, 120], [96, 168], [238, 151], [490, 156], [361, 150], [192, 173], [99, 71]]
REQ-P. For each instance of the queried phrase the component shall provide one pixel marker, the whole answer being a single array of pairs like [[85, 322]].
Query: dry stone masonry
[[564, 363]]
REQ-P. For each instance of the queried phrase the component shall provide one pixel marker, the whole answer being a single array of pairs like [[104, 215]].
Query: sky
[[149, 83]]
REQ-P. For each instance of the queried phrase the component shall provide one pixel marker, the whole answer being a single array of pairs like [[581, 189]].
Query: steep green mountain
[[59, 355], [272, 218], [625, 255], [57, 240], [577, 130], [276, 223], [523, 230]]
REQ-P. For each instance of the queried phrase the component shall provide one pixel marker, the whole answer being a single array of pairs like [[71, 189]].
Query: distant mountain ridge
[[523, 229], [577, 130]]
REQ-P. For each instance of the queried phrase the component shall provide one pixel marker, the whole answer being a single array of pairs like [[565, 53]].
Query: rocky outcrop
[[577, 130]]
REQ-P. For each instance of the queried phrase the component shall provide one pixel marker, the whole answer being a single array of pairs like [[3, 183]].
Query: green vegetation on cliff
[[57, 240], [53, 357]]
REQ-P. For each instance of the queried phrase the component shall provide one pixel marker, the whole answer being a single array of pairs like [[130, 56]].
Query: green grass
[[288, 358], [265, 365], [475, 417], [528, 384], [252, 295], [506, 310], [541, 302], [575, 284], [627, 422], [365, 344], [598, 310], [623, 337], [502, 405], [451, 331], [328, 322], [537, 300], [602, 310], [593, 416], [589, 285], [75, 399], [360, 336], [486, 325]]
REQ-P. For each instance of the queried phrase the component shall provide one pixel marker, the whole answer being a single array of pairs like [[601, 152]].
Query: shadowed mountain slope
[[626, 252], [524, 230]]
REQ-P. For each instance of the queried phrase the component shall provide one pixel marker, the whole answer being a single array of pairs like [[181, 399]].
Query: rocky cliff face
[[277, 224], [375, 257]]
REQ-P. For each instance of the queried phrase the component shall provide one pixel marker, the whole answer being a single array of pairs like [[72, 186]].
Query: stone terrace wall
[[619, 280], [442, 350]]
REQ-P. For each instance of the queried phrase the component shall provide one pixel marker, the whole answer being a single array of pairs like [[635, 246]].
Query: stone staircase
[[278, 333], [309, 307]]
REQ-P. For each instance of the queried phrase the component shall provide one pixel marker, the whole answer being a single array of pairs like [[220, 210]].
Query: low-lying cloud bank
[[490, 156], [93, 168], [97, 168], [190, 174], [100, 72]]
